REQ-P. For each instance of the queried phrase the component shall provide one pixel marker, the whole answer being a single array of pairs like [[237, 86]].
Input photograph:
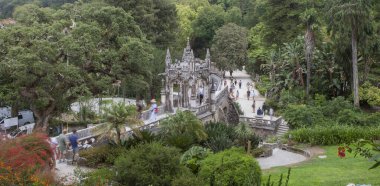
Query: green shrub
[[182, 130], [258, 152], [331, 108], [230, 167], [299, 116], [349, 117], [370, 94], [187, 179], [148, 164], [373, 119], [220, 136], [334, 134], [192, 157], [294, 96], [238, 107], [103, 155]]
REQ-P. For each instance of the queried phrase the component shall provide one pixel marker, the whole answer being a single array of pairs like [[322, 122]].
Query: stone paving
[[280, 158], [245, 104]]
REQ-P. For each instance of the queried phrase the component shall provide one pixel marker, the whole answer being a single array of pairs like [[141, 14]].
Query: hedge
[[334, 135]]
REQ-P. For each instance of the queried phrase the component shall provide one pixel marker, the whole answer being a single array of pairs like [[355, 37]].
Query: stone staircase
[[282, 128]]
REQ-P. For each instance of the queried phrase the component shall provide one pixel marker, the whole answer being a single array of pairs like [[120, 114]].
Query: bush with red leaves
[[31, 155]]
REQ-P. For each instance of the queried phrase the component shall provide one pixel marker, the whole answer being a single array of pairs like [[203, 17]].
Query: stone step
[[283, 127]]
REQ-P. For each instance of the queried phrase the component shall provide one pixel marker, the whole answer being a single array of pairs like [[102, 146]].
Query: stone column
[[163, 93], [180, 95], [171, 95]]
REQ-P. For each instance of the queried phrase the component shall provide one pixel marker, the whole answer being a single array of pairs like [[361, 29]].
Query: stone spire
[[188, 55], [208, 58], [168, 59], [188, 44]]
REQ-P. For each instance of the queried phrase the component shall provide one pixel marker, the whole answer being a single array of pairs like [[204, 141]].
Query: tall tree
[[309, 17], [353, 14], [156, 18], [209, 19], [230, 47]]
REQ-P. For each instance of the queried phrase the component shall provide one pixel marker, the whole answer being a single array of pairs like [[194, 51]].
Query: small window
[[20, 116]]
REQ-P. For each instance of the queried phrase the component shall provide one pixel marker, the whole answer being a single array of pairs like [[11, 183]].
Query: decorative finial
[[208, 54], [168, 59], [188, 43]]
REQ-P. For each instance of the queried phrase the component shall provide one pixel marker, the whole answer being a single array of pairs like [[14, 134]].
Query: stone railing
[[203, 109], [221, 96], [261, 122]]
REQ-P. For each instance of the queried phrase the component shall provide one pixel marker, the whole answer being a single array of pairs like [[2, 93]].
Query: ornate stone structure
[[184, 79]]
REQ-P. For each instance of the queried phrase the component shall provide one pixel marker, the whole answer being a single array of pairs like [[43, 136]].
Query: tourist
[[153, 110], [237, 94], [248, 93], [253, 105], [62, 146], [253, 93], [235, 82], [248, 84], [74, 140], [239, 84], [260, 112], [201, 94]]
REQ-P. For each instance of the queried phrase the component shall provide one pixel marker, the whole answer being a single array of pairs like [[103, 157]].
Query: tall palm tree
[[309, 17], [353, 14], [119, 116], [292, 53]]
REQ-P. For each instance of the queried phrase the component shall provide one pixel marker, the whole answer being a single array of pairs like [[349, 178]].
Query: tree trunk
[[300, 76], [355, 65], [309, 49], [118, 133], [43, 116]]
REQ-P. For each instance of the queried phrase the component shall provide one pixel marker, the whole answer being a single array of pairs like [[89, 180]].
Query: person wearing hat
[[153, 110]]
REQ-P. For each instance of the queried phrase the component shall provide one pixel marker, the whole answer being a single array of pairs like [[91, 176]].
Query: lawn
[[332, 171]]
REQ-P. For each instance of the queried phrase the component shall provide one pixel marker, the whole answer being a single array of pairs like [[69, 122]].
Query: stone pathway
[[245, 104], [280, 158], [67, 175]]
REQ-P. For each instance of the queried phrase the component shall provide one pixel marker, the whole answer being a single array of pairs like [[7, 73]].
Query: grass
[[331, 171]]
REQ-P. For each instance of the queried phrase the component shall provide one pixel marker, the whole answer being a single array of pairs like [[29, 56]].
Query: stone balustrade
[[261, 122]]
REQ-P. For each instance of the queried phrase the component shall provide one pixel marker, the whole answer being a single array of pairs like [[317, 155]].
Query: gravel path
[[66, 174]]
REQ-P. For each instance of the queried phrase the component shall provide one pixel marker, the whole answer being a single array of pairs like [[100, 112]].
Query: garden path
[[280, 158], [245, 104]]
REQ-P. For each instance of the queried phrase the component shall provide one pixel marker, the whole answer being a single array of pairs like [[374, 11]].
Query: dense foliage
[[148, 164], [333, 134], [230, 167], [182, 130], [26, 161]]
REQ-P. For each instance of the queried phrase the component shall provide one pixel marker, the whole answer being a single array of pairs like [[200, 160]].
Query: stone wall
[[232, 113]]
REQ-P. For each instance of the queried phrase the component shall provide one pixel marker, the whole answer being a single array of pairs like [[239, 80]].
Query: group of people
[[61, 144]]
